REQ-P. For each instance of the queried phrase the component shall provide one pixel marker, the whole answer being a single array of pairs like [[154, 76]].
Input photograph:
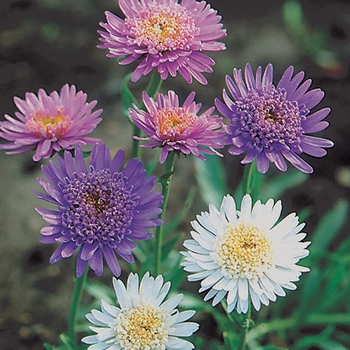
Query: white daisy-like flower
[[142, 321], [245, 254]]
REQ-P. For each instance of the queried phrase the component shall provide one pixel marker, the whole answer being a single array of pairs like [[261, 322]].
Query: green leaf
[[164, 179], [100, 291], [127, 96], [170, 244], [308, 299], [281, 183], [48, 346], [211, 179], [330, 225], [182, 214]]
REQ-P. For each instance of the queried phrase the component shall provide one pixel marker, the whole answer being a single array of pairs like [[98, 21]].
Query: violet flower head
[[271, 122], [166, 35], [176, 128], [102, 210], [49, 123]]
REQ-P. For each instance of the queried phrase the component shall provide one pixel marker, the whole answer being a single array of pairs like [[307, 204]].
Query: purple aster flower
[[272, 122], [179, 129], [50, 122], [102, 211], [164, 34]]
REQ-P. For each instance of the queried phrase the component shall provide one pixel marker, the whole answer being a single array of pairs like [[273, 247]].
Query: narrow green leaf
[[68, 342], [182, 214], [281, 183], [100, 291], [48, 346], [170, 244], [308, 299], [329, 226], [127, 96], [211, 179]]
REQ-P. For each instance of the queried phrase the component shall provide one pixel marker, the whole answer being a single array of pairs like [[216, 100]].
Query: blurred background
[[47, 43]]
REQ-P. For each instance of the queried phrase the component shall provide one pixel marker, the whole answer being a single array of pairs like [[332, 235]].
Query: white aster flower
[[143, 321], [245, 254]]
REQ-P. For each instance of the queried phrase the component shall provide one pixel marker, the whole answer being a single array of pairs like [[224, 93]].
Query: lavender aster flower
[[50, 122], [164, 34], [272, 122], [102, 211], [179, 128]]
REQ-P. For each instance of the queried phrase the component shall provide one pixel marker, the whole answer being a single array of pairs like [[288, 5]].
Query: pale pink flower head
[[49, 123], [176, 128], [166, 35]]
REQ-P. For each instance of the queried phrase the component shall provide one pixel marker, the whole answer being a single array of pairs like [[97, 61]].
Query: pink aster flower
[[271, 122], [164, 34], [179, 128], [50, 122]]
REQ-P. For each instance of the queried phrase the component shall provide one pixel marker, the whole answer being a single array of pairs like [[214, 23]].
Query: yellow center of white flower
[[47, 125], [142, 328], [244, 249], [173, 122], [163, 28]]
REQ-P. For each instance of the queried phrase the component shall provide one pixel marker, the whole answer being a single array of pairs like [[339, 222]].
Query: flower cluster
[[102, 209]]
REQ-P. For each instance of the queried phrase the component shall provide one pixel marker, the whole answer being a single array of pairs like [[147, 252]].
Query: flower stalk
[[153, 87], [76, 299], [165, 181]]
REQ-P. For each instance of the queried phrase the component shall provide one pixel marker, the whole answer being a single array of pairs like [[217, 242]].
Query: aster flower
[[102, 210], [50, 122], [271, 122], [178, 129], [165, 35], [245, 254], [143, 320]]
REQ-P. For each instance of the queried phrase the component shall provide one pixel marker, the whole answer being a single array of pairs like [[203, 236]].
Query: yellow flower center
[[46, 125], [244, 250], [141, 328], [163, 28], [173, 122]]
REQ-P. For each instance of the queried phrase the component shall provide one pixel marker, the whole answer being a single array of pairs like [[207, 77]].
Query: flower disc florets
[[143, 321], [102, 210], [176, 128], [272, 122], [50, 123], [244, 253], [166, 35]]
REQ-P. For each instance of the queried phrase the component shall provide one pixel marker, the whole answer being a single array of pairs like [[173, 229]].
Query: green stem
[[244, 330], [154, 84], [249, 178], [77, 294], [152, 88], [135, 151], [165, 180]]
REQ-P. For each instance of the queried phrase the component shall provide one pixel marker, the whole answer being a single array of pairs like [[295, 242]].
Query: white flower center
[[243, 250], [142, 328]]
